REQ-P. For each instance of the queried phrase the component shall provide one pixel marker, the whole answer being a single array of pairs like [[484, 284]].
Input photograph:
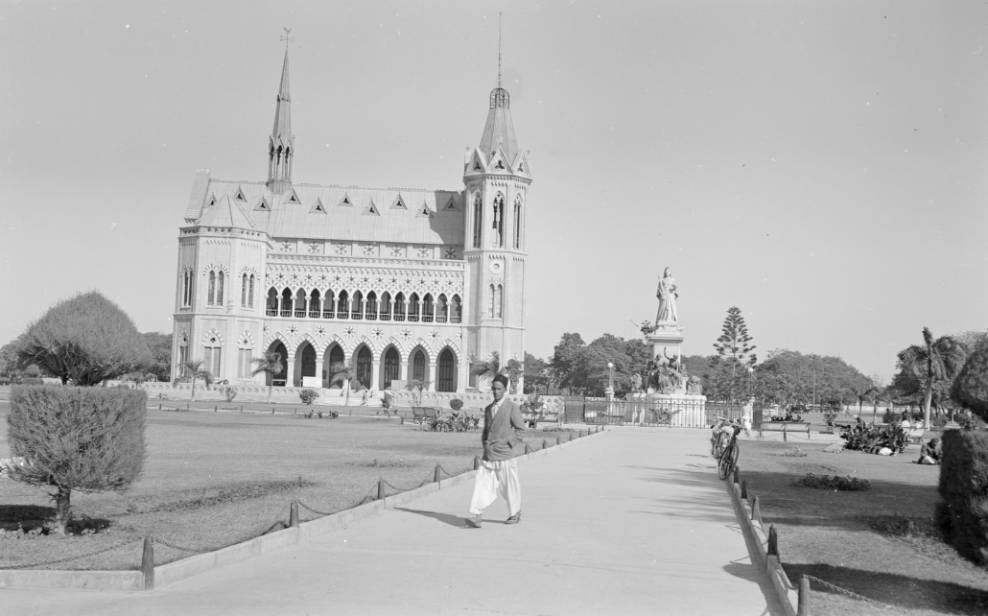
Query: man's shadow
[[445, 518]]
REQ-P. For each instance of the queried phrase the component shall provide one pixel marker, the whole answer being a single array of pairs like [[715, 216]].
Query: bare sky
[[821, 165]]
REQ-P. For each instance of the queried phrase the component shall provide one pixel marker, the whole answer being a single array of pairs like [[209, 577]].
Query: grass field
[[879, 543], [214, 479]]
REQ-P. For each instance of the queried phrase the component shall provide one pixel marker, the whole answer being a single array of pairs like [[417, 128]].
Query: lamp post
[[609, 392]]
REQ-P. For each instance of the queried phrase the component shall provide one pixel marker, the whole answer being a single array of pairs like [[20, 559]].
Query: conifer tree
[[735, 356]]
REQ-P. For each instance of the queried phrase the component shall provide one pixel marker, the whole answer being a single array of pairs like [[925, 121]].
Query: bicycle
[[729, 458], [720, 436]]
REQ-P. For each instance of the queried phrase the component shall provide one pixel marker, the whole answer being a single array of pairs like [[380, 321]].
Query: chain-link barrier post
[[756, 510], [773, 542], [528, 449], [380, 488], [476, 462], [803, 605], [744, 489], [435, 475], [293, 514], [737, 475], [545, 443], [558, 440], [147, 562]]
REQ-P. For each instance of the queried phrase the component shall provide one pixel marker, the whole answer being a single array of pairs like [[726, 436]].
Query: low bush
[[456, 404], [862, 437], [832, 482], [308, 396], [230, 393], [962, 512], [454, 422]]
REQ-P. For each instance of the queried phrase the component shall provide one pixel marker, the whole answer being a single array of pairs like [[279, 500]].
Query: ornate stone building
[[396, 284]]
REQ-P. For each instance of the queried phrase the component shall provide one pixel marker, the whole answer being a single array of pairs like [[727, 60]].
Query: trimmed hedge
[[77, 438], [962, 513]]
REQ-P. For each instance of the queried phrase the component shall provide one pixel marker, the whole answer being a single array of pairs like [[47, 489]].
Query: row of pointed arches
[[376, 371], [317, 304]]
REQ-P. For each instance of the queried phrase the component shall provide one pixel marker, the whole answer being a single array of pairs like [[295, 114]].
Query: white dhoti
[[493, 479]]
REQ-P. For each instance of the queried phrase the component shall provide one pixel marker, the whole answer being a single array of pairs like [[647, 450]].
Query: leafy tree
[[487, 368], [270, 365], [514, 370], [195, 371], [608, 349], [8, 359], [160, 346], [569, 362], [788, 377], [76, 438], [735, 357], [970, 388], [536, 373], [86, 340], [934, 364]]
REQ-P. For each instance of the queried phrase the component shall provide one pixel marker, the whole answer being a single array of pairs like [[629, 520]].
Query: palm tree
[[490, 368], [194, 369], [342, 374], [935, 364], [271, 366]]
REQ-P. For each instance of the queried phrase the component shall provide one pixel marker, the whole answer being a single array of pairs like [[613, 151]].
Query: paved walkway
[[631, 521]]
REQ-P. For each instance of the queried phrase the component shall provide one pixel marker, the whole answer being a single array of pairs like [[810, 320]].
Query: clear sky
[[821, 165]]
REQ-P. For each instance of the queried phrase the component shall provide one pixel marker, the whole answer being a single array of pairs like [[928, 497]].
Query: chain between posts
[[71, 558], [848, 593]]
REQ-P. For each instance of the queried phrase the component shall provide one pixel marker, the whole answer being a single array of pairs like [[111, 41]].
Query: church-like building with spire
[[391, 284]]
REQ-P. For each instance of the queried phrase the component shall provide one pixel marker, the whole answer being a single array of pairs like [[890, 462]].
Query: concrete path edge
[[757, 536], [199, 563]]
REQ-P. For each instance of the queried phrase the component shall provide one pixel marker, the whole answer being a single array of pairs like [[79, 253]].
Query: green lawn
[[214, 479], [880, 543]]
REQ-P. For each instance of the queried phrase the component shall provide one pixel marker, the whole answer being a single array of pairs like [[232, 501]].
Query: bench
[[785, 427]]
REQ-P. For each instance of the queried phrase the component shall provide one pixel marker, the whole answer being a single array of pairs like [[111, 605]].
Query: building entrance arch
[[278, 380]]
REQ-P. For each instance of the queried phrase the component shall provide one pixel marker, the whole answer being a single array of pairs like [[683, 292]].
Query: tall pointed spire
[[281, 145], [499, 130]]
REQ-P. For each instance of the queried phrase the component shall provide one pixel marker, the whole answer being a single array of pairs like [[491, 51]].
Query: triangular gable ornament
[[293, 197], [241, 195], [424, 210], [399, 203], [450, 204], [346, 201], [372, 209], [263, 205], [318, 206]]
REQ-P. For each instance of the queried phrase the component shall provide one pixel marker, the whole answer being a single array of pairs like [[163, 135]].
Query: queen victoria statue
[[667, 292]]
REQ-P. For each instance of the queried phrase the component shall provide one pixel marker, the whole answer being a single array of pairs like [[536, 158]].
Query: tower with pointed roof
[[401, 285], [496, 177], [281, 144]]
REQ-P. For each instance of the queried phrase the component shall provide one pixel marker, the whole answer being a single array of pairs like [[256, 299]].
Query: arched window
[[329, 305], [418, 366], [300, 304], [286, 302], [499, 302], [364, 365], [219, 289], [372, 306], [211, 293], [315, 307], [456, 314], [491, 299], [442, 309], [517, 222], [498, 223], [413, 307], [478, 211], [392, 369], [187, 288], [343, 306], [357, 305], [272, 306], [386, 307], [446, 377], [428, 311], [250, 295], [243, 291], [400, 307]]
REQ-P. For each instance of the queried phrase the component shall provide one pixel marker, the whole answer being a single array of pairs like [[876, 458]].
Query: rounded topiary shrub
[[456, 404], [962, 512], [308, 396], [76, 438]]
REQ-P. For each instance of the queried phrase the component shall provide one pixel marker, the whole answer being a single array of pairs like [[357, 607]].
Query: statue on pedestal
[[667, 292]]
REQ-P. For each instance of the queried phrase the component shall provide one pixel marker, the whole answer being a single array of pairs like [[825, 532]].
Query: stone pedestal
[[667, 340]]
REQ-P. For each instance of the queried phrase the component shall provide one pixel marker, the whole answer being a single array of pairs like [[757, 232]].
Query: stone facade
[[396, 284]]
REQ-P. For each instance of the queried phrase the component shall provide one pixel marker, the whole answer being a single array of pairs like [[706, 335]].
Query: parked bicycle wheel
[[726, 464]]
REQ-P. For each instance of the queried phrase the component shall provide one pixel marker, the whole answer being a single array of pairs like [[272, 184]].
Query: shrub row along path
[[630, 521]]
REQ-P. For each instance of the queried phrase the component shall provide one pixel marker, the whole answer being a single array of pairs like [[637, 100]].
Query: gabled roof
[[283, 219], [225, 213]]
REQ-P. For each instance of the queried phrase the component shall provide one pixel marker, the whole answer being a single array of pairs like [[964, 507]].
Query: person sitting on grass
[[930, 452]]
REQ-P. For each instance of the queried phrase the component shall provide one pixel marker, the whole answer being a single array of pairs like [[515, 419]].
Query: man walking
[[498, 472]]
